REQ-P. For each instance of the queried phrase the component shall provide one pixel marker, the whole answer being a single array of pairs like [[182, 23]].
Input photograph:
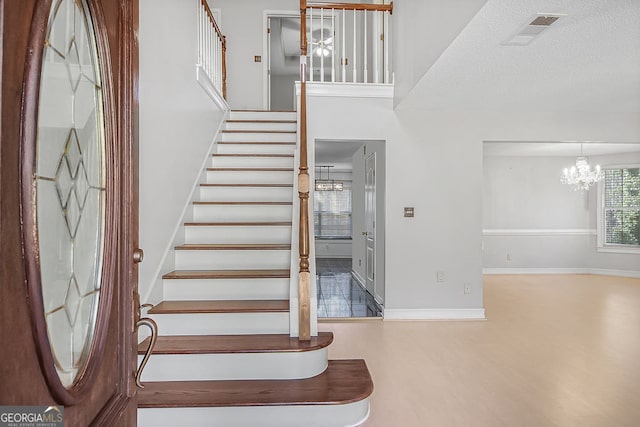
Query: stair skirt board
[[232, 259], [226, 289], [258, 136], [230, 193], [239, 366], [249, 177], [249, 212], [222, 323], [251, 162], [347, 415], [234, 234], [253, 148]]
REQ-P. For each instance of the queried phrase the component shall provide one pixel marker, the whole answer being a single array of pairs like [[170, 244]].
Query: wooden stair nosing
[[257, 131], [250, 169], [344, 381], [248, 185], [250, 155], [234, 247], [239, 224], [221, 306], [248, 202], [229, 344], [228, 274], [259, 142]]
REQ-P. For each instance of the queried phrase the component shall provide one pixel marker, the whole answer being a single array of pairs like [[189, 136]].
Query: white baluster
[[355, 57], [366, 72], [333, 47], [321, 45], [310, 45], [385, 52], [343, 36], [377, 25]]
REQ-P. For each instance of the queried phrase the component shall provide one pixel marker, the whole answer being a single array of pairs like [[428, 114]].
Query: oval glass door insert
[[70, 179]]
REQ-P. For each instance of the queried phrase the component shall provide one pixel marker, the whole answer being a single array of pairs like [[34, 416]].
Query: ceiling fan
[[322, 46]]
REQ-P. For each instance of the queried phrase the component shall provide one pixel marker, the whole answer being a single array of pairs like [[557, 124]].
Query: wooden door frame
[[18, 295]]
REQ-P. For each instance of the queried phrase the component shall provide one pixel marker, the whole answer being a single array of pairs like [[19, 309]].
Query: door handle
[[138, 256], [153, 327], [364, 233]]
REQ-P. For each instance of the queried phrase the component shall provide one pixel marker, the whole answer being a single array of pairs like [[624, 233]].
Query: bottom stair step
[[336, 397]]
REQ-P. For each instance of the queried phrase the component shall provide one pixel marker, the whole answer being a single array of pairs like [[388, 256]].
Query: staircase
[[224, 356]]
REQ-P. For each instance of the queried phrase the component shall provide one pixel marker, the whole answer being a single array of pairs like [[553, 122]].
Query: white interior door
[[370, 223]]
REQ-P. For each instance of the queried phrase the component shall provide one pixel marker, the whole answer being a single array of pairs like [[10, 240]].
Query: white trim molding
[[596, 271], [539, 232], [348, 90], [434, 314], [210, 88]]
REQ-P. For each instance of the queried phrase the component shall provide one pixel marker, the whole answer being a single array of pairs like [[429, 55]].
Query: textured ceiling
[[586, 61]]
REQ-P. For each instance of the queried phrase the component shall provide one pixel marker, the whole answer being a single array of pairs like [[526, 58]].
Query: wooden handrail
[[351, 6], [223, 41], [304, 298]]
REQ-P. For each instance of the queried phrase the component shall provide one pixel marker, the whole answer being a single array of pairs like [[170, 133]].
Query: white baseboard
[[434, 314], [599, 271]]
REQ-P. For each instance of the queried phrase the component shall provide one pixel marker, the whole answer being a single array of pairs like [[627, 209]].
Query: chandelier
[[580, 176], [327, 184]]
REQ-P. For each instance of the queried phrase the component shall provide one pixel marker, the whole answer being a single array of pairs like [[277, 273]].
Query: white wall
[[242, 23], [439, 23], [178, 122], [532, 221], [282, 92]]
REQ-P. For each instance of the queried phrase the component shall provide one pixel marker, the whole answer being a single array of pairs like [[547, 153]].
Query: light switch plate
[[257, 58], [408, 212]]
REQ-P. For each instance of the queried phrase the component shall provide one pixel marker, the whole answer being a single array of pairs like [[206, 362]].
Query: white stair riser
[[239, 366], [283, 126], [258, 136], [238, 234], [221, 213], [258, 194], [251, 162], [255, 148], [222, 323], [232, 259], [249, 177], [225, 289], [350, 414], [262, 115]]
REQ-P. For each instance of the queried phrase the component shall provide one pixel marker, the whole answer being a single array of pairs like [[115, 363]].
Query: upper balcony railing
[[348, 42], [212, 49]]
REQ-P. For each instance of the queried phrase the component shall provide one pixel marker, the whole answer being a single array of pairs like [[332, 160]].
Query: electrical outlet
[[359, 263], [508, 256], [467, 288], [440, 276]]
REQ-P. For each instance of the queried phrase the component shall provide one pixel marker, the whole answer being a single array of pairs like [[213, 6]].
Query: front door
[[370, 221], [68, 218]]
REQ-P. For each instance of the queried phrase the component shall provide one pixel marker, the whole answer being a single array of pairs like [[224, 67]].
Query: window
[[332, 213], [619, 210]]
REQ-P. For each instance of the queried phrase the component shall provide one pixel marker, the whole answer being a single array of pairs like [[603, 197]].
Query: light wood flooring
[[555, 350]]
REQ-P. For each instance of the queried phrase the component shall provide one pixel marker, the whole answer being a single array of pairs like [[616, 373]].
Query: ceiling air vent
[[533, 29]]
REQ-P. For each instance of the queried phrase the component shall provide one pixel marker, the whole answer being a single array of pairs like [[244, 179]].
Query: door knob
[[138, 255]]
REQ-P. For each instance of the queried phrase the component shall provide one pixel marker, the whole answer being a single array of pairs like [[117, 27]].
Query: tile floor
[[339, 294]]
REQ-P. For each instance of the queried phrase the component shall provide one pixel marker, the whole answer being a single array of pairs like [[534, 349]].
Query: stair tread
[[251, 155], [218, 344], [223, 306], [247, 202], [344, 381], [228, 274], [247, 185], [257, 131], [233, 246], [252, 169], [263, 111], [239, 224]]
